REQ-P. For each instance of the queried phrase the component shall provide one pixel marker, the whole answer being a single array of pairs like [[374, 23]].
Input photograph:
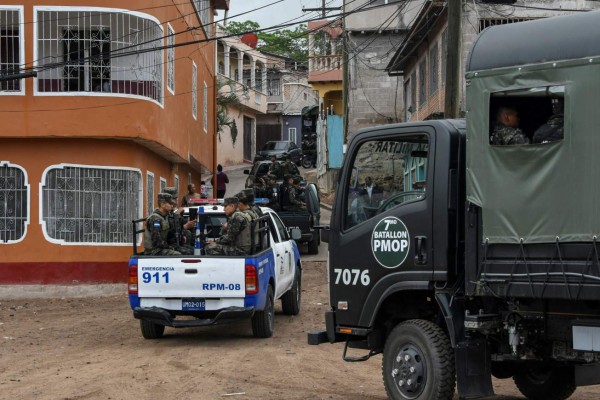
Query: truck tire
[[418, 362], [262, 321], [546, 383], [291, 300], [307, 162], [313, 245], [151, 330]]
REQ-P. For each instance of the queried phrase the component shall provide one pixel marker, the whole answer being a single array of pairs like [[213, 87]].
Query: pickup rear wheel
[[418, 362], [263, 321], [290, 301], [151, 330], [546, 383]]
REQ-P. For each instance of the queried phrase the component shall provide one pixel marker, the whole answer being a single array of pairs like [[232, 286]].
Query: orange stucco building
[[122, 104]]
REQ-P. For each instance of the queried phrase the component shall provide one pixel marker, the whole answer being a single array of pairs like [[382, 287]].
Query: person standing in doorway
[[222, 181]]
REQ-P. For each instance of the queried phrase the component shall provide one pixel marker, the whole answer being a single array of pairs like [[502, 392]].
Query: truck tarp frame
[[538, 193]]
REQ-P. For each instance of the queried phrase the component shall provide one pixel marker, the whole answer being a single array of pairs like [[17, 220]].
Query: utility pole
[[453, 57], [323, 9]]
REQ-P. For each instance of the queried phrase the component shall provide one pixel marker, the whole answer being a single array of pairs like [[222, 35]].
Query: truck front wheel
[[290, 301], [151, 330], [418, 362], [263, 321], [546, 383]]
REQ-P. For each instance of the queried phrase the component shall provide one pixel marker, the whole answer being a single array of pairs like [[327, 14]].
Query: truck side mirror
[[246, 172], [296, 233], [325, 229]]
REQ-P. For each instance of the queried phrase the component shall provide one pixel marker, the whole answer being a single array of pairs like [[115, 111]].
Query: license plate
[[193, 304]]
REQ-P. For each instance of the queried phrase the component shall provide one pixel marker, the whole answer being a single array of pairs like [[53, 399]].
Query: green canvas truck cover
[[537, 193]]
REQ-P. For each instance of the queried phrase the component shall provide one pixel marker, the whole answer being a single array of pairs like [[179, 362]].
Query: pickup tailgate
[[191, 278]]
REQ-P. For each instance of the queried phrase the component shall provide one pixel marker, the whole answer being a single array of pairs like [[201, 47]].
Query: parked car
[[278, 148]]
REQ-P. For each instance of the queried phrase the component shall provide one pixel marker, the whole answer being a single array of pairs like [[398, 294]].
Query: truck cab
[[460, 255]]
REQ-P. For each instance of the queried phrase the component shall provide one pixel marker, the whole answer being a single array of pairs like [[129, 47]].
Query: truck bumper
[[329, 335], [161, 316]]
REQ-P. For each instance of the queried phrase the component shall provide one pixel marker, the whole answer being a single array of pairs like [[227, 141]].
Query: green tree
[[224, 101], [283, 42]]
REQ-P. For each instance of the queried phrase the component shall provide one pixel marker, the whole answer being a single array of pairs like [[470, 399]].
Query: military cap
[[286, 154], [297, 180], [271, 176], [172, 191], [230, 200], [165, 197]]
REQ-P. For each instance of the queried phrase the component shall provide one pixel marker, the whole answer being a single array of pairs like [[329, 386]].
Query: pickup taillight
[[132, 284], [251, 279]]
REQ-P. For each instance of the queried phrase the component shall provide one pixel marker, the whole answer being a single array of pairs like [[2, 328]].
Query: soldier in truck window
[[505, 130], [553, 129]]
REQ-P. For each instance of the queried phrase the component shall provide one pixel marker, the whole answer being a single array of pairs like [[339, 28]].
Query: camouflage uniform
[[276, 169], [551, 131], [236, 241], [289, 168], [156, 234], [294, 203], [504, 135]]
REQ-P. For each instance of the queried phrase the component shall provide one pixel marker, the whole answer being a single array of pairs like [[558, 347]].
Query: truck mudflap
[[329, 335], [160, 316]]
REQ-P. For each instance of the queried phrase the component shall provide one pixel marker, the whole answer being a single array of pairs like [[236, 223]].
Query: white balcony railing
[[98, 51]]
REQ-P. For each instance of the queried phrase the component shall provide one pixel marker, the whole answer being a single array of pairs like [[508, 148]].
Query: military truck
[[479, 259]]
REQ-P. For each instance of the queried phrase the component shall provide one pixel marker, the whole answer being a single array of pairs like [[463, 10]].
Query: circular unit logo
[[390, 242]]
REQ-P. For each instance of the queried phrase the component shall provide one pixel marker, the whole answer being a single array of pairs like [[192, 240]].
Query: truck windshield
[[385, 174], [275, 146]]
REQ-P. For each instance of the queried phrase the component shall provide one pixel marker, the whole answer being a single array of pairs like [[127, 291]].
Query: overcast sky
[[280, 13]]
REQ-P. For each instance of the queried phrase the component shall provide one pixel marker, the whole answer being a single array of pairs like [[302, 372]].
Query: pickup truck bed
[[200, 290]]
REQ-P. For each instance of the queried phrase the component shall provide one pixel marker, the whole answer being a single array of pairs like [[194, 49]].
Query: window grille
[[486, 23], [149, 193], [205, 109], [292, 134], [422, 82], [171, 58], [194, 90], [433, 69], [10, 48], [203, 9], [95, 51], [90, 205], [274, 87], [14, 199], [444, 54], [163, 184]]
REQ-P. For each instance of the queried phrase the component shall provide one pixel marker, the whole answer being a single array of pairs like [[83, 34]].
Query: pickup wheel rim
[[410, 371]]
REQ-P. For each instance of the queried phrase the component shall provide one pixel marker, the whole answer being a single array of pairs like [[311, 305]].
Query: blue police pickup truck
[[201, 290]]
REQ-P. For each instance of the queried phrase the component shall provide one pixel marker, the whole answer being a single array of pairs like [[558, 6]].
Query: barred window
[[149, 192], [82, 205], [171, 58], [11, 48], [163, 184], [194, 90], [14, 200], [98, 51], [203, 9], [444, 54], [176, 182], [205, 109], [433, 69], [422, 82]]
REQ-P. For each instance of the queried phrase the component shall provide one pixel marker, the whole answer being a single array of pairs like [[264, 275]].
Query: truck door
[[382, 221], [284, 255]]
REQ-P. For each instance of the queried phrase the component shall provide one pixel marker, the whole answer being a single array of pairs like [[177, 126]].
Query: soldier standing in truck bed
[[157, 229]]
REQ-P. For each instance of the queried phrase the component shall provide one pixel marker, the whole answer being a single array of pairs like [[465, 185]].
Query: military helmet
[[241, 196]]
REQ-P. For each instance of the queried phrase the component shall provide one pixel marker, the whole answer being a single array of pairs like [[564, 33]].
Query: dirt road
[[91, 348]]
